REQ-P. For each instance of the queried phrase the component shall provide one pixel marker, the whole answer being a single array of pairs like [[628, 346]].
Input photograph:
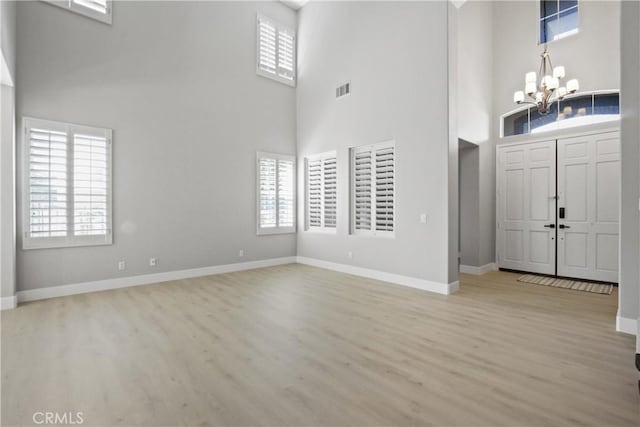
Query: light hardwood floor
[[296, 345]]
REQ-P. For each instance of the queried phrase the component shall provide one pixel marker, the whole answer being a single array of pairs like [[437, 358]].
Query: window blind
[[99, 10], [67, 192], [276, 193], [90, 185], [47, 177], [285, 193], [100, 6], [276, 51], [373, 189], [321, 191]]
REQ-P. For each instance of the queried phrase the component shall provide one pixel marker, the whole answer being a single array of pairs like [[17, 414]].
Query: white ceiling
[[295, 4]]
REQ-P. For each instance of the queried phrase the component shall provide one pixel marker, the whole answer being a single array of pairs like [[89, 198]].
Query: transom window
[[67, 185], [276, 51], [558, 19], [276, 193], [577, 110]]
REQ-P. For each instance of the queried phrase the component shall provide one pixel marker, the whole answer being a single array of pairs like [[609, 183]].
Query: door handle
[[564, 226], [551, 226]]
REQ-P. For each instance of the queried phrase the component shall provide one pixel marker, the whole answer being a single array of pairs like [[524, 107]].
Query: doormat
[[576, 285]]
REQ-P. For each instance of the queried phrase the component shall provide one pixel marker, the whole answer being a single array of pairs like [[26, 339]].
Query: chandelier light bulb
[[530, 88], [518, 97], [530, 77], [539, 97], [554, 83], [573, 85], [562, 91], [558, 72]]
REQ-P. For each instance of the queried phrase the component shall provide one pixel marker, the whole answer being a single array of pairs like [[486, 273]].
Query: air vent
[[343, 90]]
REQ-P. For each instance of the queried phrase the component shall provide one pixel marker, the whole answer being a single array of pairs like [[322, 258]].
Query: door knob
[[564, 226], [551, 226]]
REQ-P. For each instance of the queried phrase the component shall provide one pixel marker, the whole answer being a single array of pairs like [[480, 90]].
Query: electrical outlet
[[153, 262], [350, 255], [121, 265], [241, 253]]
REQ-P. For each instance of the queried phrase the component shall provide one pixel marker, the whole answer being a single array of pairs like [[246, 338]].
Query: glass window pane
[[549, 29], [517, 123], [607, 104], [539, 120], [548, 7], [567, 4], [568, 23]]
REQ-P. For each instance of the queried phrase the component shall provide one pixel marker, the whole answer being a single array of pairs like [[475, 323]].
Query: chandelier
[[548, 91]]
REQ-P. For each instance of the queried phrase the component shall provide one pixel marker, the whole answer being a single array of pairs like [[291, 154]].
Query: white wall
[[629, 294], [475, 124], [188, 113], [469, 205], [395, 56], [8, 33], [7, 146]]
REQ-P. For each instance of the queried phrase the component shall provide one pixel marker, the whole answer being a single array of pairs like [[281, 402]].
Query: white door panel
[[526, 204], [589, 190]]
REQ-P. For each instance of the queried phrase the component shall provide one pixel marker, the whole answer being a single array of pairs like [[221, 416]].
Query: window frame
[[278, 229], [69, 241], [352, 182], [322, 157], [557, 14], [79, 9], [279, 27]]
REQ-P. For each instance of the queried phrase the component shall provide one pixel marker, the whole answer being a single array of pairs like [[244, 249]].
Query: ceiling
[[295, 4]]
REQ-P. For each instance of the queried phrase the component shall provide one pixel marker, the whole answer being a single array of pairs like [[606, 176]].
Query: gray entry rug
[[576, 285]]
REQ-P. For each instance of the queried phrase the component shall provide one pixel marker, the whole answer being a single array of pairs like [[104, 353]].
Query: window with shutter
[[321, 192], [275, 194], [276, 51], [67, 185], [373, 189], [96, 9]]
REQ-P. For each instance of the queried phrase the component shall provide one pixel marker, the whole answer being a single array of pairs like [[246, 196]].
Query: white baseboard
[[426, 285], [626, 325], [145, 279], [7, 303], [478, 271]]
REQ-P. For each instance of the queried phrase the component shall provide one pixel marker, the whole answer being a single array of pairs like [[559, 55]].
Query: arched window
[[576, 110]]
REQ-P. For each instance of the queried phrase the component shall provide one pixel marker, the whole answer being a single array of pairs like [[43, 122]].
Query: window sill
[[275, 230]]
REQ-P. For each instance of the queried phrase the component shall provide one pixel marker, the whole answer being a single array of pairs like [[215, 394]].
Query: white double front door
[[558, 207]]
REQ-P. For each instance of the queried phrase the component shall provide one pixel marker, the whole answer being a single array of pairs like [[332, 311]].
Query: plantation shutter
[[267, 46], [286, 54], [285, 193], [362, 192], [384, 188], [100, 6], [67, 176], [90, 185], [373, 188], [321, 191], [276, 193], [330, 191], [267, 198], [276, 51], [314, 193], [48, 183]]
